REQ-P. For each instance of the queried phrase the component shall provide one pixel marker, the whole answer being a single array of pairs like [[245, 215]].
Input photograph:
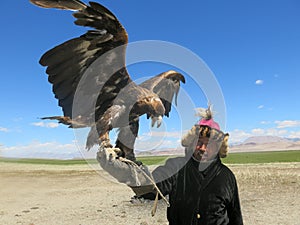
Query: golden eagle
[[109, 97]]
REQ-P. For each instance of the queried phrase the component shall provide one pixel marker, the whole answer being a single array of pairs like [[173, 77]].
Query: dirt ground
[[79, 194]]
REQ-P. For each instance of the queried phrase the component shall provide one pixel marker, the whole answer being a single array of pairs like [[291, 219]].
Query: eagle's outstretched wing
[[68, 63]]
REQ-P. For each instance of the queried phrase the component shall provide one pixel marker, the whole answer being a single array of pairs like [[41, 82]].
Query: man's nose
[[202, 147]]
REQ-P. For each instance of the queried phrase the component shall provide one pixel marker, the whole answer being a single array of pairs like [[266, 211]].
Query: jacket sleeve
[[165, 176], [234, 208]]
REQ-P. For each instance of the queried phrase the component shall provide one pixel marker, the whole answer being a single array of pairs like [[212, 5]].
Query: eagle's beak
[[156, 119]]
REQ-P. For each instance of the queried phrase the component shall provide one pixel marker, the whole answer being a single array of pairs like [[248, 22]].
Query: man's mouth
[[203, 155], [200, 153]]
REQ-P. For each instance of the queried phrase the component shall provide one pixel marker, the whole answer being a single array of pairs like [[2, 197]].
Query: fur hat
[[211, 129]]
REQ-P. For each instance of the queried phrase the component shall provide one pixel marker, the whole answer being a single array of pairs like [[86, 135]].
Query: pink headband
[[211, 123]]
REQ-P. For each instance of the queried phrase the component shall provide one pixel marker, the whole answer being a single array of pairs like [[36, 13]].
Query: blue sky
[[251, 47]]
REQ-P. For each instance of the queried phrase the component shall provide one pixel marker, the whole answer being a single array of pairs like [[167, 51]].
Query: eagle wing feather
[[68, 62]]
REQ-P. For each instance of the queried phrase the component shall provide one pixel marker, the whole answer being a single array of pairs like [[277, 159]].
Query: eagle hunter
[[93, 67]]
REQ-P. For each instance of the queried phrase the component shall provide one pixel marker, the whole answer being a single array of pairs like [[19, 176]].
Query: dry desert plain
[[80, 194]]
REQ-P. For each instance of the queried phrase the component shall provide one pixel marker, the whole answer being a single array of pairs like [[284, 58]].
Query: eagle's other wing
[[166, 85], [69, 64]]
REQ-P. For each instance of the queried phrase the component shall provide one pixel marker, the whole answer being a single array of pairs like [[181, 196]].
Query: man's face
[[206, 149]]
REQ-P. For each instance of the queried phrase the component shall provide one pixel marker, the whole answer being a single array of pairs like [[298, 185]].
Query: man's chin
[[204, 157], [197, 157]]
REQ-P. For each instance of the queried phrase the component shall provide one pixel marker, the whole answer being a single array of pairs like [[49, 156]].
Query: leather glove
[[137, 177], [125, 171]]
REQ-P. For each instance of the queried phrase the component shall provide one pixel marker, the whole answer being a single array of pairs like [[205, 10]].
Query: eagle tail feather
[[60, 4], [66, 121]]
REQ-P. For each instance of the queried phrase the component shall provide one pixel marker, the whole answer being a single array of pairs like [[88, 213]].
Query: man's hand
[[125, 171]]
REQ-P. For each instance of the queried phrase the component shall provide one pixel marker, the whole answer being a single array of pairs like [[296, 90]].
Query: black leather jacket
[[207, 197]]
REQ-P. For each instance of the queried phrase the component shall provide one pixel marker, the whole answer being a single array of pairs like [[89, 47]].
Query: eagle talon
[[157, 120], [106, 144]]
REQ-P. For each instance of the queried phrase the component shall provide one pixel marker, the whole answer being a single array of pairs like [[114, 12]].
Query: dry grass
[[269, 192], [40, 194]]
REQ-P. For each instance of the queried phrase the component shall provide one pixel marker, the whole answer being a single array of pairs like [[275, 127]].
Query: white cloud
[[260, 106], [158, 140], [287, 123], [170, 134], [173, 139], [47, 125], [37, 149], [257, 131], [156, 144], [259, 82], [237, 136], [275, 132], [3, 129], [294, 134]]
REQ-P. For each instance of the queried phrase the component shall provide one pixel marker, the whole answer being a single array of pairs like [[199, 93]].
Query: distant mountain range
[[266, 143], [252, 144]]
